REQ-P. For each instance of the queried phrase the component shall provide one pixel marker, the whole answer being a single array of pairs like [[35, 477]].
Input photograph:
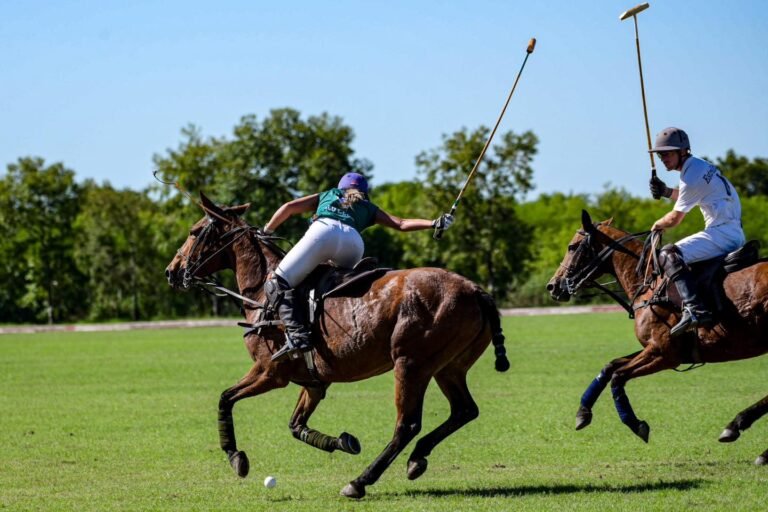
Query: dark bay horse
[[424, 323], [741, 330]]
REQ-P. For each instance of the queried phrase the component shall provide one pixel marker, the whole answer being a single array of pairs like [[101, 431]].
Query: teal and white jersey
[[359, 216]]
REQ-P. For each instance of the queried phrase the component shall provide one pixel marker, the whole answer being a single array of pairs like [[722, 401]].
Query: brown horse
[[741, 330], [425, 323]]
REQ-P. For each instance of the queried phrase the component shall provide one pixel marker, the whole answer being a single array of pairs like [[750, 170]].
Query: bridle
[[193, 266], [582, 277]]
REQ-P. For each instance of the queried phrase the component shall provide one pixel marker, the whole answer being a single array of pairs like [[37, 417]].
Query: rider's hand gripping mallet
[[633, 12], [438, 234]]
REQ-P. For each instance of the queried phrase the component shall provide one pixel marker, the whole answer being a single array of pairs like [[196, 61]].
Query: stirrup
[[690, 321], [291, 350]]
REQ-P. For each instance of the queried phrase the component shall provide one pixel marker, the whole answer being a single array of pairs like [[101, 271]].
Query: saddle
[[711, 273], [331, 281], [325, 281]]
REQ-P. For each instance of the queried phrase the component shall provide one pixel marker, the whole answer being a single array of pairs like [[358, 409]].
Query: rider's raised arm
[[298, 206], [443, 222], [390, 221]]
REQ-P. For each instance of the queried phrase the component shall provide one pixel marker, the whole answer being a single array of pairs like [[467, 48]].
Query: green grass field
[[127, 421]]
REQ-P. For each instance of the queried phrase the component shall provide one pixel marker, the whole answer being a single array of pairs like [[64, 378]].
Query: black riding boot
[[695, 313], [294, 317]]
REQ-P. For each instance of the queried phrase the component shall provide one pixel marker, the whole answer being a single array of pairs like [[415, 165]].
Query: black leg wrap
[[226, 431], [316, 439]]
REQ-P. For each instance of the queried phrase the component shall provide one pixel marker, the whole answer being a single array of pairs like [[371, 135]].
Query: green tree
[[488, 243], [265, 162], [554, 220], [115, 249], [749, 177], [39, 205]]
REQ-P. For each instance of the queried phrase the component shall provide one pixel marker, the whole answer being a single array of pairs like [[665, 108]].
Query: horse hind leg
[[410, 386], [255, 382], [309, 398], [742, 422], [453, 384]]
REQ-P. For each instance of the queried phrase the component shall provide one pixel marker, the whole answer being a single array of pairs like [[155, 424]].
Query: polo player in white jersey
[[702, 185]]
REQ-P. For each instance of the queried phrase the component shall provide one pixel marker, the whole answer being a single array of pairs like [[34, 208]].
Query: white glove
[[443, 222]]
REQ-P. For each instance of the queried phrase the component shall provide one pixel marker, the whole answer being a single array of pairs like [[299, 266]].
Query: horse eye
[[572, 247]]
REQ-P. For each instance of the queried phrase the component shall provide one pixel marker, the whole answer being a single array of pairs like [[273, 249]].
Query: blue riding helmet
[[354, 180]]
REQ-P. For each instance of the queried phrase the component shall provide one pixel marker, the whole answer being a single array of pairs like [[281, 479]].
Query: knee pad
[[275, 289], [671, 260]]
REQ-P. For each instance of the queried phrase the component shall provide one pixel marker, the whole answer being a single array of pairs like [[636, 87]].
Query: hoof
[[762, 460], [239, 462], [353, 491], [643, 431], [416, 468], [729, 435], [349, 443], [583, 417]]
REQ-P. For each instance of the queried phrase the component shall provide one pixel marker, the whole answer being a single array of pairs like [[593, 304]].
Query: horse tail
[[491, 314]]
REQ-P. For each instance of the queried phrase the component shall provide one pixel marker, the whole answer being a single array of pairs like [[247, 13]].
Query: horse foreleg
[[453, 384], [253, 383], [742, 422], [309, 398], [595, 388], [410, 386], [647, 362]]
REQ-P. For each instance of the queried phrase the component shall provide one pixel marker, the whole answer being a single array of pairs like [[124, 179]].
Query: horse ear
[[607, 222], [209, 206], [586, 222], [239, 209]]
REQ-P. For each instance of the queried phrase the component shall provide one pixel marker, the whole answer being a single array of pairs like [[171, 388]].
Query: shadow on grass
[[526, 490]]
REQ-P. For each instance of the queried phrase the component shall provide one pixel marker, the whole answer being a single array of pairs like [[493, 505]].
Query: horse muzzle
[[558, 290], [177, 279]]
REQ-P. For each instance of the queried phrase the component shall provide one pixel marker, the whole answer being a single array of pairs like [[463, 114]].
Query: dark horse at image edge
[[425, 323], [740, 331]]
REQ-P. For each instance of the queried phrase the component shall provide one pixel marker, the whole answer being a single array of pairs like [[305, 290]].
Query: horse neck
[[253, 262], [624, 266]]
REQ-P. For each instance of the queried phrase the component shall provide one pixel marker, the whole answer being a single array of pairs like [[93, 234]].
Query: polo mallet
[[438, 234], [633, 12]]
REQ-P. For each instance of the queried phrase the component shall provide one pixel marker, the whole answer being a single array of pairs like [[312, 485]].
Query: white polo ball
[[270, 482]]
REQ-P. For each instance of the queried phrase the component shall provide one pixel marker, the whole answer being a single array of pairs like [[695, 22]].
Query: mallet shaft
[[438, 234]]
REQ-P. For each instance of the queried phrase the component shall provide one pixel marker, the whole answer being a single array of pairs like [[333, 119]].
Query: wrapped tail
[[491, 314]]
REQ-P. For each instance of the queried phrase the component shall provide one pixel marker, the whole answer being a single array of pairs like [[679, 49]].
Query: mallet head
[[633, 11], [531, 45]]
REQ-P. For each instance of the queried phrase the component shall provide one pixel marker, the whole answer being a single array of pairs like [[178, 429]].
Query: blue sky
[[103, 86]]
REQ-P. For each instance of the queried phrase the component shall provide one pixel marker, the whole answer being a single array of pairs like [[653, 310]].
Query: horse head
[[581, 263], [205, 249]]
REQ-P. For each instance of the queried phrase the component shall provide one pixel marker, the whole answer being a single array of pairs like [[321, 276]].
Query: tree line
[[84, 251]]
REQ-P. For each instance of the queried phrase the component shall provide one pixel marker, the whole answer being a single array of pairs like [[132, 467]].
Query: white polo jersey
[[702, 185]]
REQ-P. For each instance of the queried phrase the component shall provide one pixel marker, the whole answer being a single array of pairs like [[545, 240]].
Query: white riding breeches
[[711, 243], [325, 240]]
